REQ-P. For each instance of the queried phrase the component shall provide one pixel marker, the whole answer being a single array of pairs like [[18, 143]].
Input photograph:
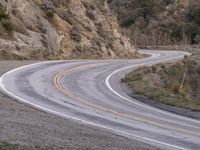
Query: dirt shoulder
[[174, 86], [33, 129]]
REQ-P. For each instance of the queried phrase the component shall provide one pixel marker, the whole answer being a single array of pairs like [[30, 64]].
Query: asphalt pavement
[[90, 92]]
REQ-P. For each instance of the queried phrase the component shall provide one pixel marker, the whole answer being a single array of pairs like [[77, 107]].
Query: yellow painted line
[[68, 93]]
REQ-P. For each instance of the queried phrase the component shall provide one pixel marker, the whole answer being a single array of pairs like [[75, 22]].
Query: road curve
[[90, 92]]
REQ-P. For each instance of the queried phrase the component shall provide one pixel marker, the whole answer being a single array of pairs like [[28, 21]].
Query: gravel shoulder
[[20, 124]]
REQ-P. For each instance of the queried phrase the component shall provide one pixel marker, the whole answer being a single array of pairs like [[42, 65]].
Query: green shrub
[[192, 29], [176, 31], [7, 25], [2, 14], [5, 21], [7, 146], [167, 2], [194, 13], [154, 69], [175, 71], [148, 8], [50, 14]]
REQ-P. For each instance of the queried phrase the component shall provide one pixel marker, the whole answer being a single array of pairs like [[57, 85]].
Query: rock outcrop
[[60, 29]]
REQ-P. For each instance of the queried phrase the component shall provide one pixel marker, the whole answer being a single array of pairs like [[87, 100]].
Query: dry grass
[[165, 84]]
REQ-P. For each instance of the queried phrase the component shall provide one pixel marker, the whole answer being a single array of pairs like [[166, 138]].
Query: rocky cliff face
[[60, 29]]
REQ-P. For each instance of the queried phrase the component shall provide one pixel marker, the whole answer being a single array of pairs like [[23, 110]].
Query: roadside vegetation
[[176, 84], [7, 146], [5, 21], [159, 22]]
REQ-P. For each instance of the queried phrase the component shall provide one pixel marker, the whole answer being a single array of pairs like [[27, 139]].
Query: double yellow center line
[[68, 93]]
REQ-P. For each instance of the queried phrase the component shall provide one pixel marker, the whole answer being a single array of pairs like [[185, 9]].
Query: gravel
[[34, 129]]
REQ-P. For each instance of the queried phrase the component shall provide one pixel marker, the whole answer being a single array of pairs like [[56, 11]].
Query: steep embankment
[[60, 29]]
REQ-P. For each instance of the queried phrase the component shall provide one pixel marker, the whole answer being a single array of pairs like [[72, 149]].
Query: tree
[[194, 13], [147, 8]]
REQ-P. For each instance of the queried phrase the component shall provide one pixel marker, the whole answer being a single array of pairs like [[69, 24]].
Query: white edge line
[[140, 104], [4, 90]]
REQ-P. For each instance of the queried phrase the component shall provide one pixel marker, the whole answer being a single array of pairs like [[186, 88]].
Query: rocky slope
[[60, 29]]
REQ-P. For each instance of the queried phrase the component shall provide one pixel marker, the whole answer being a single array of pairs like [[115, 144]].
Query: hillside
[[175, 84], [60, 29], [159, 23]]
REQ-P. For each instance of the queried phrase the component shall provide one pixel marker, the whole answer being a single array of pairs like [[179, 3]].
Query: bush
[[75, 34], [5, 20], [175, 30], [3, 15], [148, 8], [128, 22], [174, 71], [154, 69], [8, 146], [50, 14], [167, 2], [7, 25], [176, 88], [194, 13], [192, 29]]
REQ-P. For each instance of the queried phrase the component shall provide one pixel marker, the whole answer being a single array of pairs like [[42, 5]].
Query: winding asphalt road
[[90, 92]]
